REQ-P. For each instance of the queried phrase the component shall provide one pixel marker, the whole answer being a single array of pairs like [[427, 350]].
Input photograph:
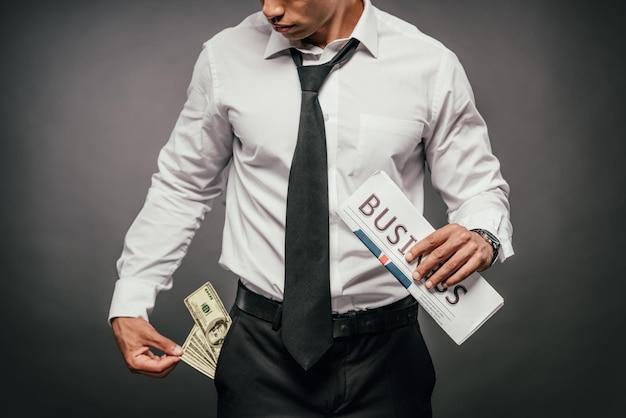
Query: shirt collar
[[366, 31]]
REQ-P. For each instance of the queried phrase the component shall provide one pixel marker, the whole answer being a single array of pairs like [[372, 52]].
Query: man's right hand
[[135, 337]]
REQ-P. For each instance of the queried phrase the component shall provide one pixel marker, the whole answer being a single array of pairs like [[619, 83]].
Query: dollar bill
[[197, 361], [200, 340], [202, 347], [198, 352], [211, 323], [207, 371], [209, 313], [191, 348], [191, 356]]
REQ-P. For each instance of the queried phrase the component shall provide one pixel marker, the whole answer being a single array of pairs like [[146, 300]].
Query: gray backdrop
[[90, 93]]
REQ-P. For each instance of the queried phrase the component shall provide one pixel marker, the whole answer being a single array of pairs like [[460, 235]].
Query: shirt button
[[326, 117]]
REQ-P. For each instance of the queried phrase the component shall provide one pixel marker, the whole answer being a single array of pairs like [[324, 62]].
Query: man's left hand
[[454, 253]]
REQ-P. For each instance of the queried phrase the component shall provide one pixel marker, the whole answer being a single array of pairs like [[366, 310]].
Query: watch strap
[[492, 240]]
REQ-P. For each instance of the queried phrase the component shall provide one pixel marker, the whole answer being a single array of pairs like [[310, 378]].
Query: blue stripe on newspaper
[[393, 269]]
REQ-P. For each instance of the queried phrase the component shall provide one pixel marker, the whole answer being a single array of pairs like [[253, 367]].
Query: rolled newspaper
[[461, 309]]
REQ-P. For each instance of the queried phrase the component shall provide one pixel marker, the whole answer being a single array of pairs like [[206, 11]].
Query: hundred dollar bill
[[210, 373], [210, 315], [192, 349], [195, 349], [202, 347], [192, 357], [203, 344], [196, 364]]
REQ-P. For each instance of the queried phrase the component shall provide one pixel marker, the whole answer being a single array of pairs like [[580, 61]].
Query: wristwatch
[[492, 240]]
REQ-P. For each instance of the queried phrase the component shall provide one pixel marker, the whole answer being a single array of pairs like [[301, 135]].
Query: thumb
[[166, 345]]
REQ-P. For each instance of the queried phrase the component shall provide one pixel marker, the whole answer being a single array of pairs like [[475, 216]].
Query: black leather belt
[[397, 314]]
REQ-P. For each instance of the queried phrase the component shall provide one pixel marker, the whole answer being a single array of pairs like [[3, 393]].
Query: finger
[[143, 363], [465, 271], [161, 374], [164, 344], [429, 273], [436, 258], [449, 267], [427, 244]]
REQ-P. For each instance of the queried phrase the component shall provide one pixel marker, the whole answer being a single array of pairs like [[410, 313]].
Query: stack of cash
[[212, 321]]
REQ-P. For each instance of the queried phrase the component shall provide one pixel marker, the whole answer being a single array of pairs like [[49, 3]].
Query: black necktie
[[307, 329]]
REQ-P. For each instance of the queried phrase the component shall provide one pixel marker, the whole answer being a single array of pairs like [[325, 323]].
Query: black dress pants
[[383, 375]]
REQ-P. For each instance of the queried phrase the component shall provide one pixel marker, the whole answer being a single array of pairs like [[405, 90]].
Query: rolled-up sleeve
[[458, 153], [192, 172]]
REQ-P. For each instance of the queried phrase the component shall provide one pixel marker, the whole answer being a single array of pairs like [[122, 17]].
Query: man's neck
[[340, 25]]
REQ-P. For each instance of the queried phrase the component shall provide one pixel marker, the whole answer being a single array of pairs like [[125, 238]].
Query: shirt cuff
[[133, 297], [496, 223], [506, 249]]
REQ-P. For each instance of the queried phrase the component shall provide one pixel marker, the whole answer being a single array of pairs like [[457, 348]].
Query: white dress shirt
[[401, 103]]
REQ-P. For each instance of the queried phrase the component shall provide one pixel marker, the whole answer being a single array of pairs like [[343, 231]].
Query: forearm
[[463, 167], [154, 246], [192, 170]]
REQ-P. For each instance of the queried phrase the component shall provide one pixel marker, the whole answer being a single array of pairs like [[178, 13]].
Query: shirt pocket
[[387, 143]]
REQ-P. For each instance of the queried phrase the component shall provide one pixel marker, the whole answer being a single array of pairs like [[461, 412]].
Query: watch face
[[492, 237], [492, 240]]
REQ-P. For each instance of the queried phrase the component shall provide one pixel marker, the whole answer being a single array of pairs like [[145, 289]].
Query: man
[[319, 327]]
